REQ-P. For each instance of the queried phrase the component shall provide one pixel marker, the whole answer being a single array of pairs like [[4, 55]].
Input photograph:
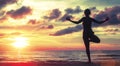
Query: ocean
[[69, 55]]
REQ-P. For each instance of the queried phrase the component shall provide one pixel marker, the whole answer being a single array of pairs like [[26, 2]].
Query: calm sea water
[[74, 55]]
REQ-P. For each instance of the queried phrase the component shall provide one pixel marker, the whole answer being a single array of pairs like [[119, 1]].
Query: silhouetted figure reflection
[[88, 34]]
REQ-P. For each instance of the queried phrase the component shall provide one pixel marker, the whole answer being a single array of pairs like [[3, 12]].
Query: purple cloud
[[3, 3], [112, 12], [56, 13], [20, 13], [73, 11], [67, 30], [63, 18]]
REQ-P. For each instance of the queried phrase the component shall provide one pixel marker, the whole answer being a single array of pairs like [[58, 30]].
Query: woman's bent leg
[[94, 38]]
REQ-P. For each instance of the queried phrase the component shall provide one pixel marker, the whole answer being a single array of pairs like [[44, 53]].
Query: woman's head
[[87, 12]]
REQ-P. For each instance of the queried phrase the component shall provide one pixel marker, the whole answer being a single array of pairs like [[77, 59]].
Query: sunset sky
[[41, 24]]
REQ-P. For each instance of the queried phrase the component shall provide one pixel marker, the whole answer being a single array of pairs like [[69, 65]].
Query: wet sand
[[62, 63]]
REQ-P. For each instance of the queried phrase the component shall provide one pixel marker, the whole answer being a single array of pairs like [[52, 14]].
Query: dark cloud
[[68, 30], [73, 11], [43, 27], [3, 3], [56, 13], [94, 9], [20, 13], [63, 18], [50, 27], [33, 21], [112, 12], [46, 27]]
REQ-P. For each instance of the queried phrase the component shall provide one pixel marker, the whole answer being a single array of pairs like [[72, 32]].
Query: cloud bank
[[113, 13], [56, 13], [20, 13]]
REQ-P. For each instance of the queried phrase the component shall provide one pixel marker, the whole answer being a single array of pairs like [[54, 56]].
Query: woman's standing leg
[[87, 46]]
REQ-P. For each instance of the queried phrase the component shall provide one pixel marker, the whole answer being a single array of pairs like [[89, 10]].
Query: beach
[[62, 63], [60, 58]]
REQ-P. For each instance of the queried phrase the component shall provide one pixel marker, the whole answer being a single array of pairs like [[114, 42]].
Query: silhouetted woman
[[88, 34]]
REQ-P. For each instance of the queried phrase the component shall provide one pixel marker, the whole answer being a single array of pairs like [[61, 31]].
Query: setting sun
[[20, 42]]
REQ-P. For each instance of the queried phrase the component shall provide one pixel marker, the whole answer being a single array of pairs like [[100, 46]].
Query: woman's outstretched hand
[[68, 18], [106, 19]]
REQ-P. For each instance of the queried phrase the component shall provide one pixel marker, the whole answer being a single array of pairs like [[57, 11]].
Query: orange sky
[[43, 24]]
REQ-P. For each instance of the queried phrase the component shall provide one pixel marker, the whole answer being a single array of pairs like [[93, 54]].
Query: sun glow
[[20, 42]]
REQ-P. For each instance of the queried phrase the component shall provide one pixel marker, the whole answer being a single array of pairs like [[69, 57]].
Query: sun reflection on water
[[20, 43]]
